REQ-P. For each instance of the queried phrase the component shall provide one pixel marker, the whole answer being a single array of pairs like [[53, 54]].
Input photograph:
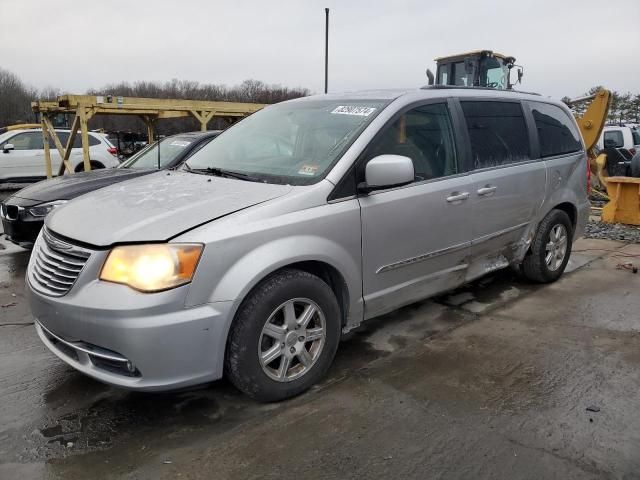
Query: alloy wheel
[[292, 339], [556, 247]]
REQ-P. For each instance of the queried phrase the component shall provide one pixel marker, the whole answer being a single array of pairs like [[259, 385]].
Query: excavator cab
[[482, 68]]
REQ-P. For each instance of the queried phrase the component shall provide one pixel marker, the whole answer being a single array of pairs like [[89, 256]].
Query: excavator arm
[[591, 123]]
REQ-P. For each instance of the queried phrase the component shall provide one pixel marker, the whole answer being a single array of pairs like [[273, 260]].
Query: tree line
[[624, 108], [16, 98]]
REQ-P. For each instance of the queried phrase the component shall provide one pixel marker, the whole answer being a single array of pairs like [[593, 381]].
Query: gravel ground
[[609, 231], [612, 231]]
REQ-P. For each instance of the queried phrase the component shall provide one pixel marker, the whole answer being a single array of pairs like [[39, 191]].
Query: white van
[[620, 136]]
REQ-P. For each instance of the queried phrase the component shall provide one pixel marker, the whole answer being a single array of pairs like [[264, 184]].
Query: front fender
[[256, 264]]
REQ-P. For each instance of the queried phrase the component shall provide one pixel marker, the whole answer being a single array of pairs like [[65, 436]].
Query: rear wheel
[[94, 166], [284, 337], [550, 250]]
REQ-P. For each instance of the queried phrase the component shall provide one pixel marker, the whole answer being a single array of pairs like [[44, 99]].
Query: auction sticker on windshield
[[308, 170], [353, 110]]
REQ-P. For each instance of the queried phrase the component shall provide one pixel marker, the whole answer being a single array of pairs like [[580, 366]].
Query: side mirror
[[8, 147], [387, 171]]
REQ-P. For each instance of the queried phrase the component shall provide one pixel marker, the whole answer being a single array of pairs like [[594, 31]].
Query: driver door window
[[27, 141], [425, 135]]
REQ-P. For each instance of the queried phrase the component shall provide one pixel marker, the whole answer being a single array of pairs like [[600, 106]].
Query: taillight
[[113, 151], [633, 151]]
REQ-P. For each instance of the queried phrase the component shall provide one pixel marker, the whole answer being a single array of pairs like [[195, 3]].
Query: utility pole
[[326, 51]]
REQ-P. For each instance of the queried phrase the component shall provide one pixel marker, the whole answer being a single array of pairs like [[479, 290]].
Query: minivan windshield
[[170, 149], [292, 143]]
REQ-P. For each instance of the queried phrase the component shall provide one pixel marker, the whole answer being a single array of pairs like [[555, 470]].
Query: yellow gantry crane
[[84, 107]]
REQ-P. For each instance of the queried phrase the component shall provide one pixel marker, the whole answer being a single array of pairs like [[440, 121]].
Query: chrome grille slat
[[56, 264], [66, 261], [46, 283], [67, 278]]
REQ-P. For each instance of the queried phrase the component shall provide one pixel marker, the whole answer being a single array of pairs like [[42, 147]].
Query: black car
[[23, 213]]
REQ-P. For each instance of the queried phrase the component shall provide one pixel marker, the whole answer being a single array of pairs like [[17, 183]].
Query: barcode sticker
[[353, 110]]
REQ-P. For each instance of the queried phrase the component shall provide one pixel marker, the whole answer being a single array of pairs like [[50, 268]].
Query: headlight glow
[[152, 267], [44, 208]]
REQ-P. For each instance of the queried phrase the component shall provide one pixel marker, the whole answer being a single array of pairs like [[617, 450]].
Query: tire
[[635, 165], [94, 166], [536, 267], [250, 339]]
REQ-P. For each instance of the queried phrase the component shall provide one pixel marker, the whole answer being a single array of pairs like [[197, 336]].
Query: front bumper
[[22, 232], [148, 342]]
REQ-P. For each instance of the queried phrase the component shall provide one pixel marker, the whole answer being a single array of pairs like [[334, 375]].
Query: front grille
[[56, 264], [12, 212]]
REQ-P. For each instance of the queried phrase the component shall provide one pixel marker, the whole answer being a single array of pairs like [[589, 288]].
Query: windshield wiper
[[220, 172]]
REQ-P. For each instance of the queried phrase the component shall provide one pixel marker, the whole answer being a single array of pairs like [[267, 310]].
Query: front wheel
[[284, 337], [550, 250]]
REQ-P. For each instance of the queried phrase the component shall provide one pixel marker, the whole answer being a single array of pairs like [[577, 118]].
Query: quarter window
[[497, 132], [425, 135], [557, 133]]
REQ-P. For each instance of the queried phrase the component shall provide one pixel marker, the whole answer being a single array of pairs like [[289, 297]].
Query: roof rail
[[461, 87]]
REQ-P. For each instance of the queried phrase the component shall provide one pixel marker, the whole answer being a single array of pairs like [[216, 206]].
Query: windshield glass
[[170, 149], [294, 142], [493, 73]]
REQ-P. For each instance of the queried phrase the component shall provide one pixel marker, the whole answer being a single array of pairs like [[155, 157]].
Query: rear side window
[[613, 139], [557, 132], [636, 137], [77, 142], [498, 133]]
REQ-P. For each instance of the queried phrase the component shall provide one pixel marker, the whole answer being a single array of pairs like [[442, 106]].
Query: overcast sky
[[565, 46]]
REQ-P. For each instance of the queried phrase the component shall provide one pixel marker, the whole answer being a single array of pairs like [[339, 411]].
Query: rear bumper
[[162, 346]]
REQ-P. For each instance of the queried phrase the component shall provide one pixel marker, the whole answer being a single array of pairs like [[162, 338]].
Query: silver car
[[299, 223]]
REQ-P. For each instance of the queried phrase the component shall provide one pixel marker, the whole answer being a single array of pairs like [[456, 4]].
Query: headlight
[[153, 267], [44, 208]]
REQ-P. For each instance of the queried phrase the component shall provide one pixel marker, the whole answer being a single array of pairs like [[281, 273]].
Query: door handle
[[457, 197], [488, 190]]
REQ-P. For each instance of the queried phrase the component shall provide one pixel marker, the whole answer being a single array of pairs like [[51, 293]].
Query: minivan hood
[[66, 187], [155, 207]]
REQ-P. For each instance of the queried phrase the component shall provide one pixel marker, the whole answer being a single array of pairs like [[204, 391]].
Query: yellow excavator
[[480, 68]]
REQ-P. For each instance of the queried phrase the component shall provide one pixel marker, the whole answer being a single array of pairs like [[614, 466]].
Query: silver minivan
[[299, 223]]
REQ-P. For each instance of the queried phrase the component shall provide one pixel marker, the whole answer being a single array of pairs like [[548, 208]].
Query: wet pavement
[[490, 381]]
